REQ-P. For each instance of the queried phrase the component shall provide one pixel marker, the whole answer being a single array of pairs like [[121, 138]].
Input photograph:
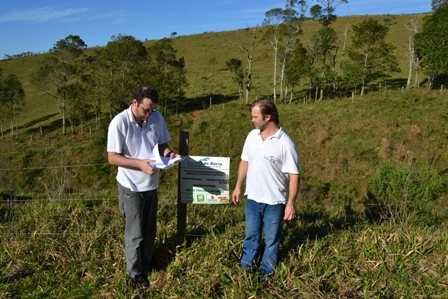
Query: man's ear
[[267, 117]]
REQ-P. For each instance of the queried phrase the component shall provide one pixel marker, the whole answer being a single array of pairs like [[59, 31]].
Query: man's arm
[[122, 161], [166, 151], [290, 210], [242, 173]]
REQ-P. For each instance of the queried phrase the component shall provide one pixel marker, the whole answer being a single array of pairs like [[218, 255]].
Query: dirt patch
[[195, 114]]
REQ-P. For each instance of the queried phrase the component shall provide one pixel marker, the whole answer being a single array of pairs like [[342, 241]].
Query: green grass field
[[372, 205]]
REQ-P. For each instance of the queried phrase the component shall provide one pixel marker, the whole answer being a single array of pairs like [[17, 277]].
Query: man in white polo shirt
[[132, 136], [270, 166]]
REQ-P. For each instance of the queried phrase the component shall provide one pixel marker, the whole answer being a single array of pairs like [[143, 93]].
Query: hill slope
[[205, 56]]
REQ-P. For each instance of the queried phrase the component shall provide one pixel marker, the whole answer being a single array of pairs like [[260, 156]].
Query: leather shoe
[[140, 281]]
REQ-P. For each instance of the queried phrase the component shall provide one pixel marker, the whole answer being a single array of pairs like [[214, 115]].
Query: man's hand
[[145, 166], [236, 196], [290, 213]]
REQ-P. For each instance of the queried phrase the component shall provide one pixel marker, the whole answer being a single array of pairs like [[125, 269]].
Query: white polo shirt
[[269, 163], [126, 137]]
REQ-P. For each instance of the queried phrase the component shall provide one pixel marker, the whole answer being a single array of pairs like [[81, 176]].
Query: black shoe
[[140, 281]]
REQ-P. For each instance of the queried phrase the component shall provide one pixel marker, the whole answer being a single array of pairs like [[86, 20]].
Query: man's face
[[258, 120], [144, 109]]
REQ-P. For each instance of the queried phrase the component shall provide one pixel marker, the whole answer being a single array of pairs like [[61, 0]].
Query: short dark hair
[[146, 91], [267, 107]]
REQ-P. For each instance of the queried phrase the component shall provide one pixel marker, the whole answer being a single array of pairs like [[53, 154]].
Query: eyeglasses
[[148, 111]]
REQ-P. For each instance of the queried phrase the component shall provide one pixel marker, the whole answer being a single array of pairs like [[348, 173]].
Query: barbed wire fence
[[14, 198]]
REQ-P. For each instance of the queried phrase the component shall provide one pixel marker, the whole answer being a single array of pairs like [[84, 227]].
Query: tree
[[78, 107], [371, 56], [249, 50], [431, 45], [324, 48], [323, 53], [235, 66], [166, 71], [273, 19], [436, 4], [284, 26], [293, 18], [12, 97], [414, 61], [324, 11], [122, 66], [61, 67], [298, 67]]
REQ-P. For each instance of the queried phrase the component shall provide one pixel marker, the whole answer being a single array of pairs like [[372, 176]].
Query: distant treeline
[[23, 54]]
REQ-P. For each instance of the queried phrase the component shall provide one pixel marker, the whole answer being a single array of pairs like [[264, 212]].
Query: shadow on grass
[[314, 222], [186, 105], [200, 103], [165, 251], [16, 276], [32, 123]]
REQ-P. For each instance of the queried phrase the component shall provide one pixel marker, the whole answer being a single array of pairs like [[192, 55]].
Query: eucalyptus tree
[[12, 98], [60, 69], [273, 20], [324, 48], [324, 11], [283, 28], [432, 46], [371, 57], [291, 30]]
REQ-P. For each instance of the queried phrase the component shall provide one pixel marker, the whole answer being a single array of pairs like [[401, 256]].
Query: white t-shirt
[[269, 163], [126, 137]]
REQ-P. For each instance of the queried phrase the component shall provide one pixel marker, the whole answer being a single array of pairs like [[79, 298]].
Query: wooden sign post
[[181, 207]]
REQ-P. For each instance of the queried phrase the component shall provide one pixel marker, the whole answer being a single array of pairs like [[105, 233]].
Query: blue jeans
[[260, 218]]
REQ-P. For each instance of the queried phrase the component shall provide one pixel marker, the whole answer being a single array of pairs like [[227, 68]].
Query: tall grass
[[63, 238]]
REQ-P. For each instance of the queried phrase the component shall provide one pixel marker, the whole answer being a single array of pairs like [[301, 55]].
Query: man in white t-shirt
[[270, 166], [132, 136]]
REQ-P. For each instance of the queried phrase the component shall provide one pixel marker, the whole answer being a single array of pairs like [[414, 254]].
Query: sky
[[36, 25]]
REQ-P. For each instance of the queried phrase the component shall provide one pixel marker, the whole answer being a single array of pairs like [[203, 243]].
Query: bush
[[396, 190]]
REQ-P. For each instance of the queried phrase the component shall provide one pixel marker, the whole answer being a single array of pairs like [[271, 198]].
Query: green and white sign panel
[[205, 180]]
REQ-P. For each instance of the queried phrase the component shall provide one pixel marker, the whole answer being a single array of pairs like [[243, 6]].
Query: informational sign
[[205, 180]]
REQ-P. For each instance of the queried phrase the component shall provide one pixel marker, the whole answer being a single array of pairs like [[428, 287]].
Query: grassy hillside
[[373, 202], [63, 235], [205, 57]]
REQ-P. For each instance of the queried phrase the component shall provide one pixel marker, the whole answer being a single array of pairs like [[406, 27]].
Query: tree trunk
[[411, 61], [274, 92], [341, 64], [250, 57], [64, 131], [282, 78]]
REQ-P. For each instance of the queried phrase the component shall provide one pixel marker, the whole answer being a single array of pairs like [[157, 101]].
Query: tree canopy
[[432, 44]]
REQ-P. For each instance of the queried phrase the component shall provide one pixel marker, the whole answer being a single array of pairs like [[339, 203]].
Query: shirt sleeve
[[245, 152], [291, 158], [115, 136], [164, 135]]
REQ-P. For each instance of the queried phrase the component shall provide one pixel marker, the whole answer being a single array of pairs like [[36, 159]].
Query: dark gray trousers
[[139, 210]]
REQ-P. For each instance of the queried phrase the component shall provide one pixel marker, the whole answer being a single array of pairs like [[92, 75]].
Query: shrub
[[396, 190]]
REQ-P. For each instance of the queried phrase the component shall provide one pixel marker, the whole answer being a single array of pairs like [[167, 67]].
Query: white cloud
[[39, 15]]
